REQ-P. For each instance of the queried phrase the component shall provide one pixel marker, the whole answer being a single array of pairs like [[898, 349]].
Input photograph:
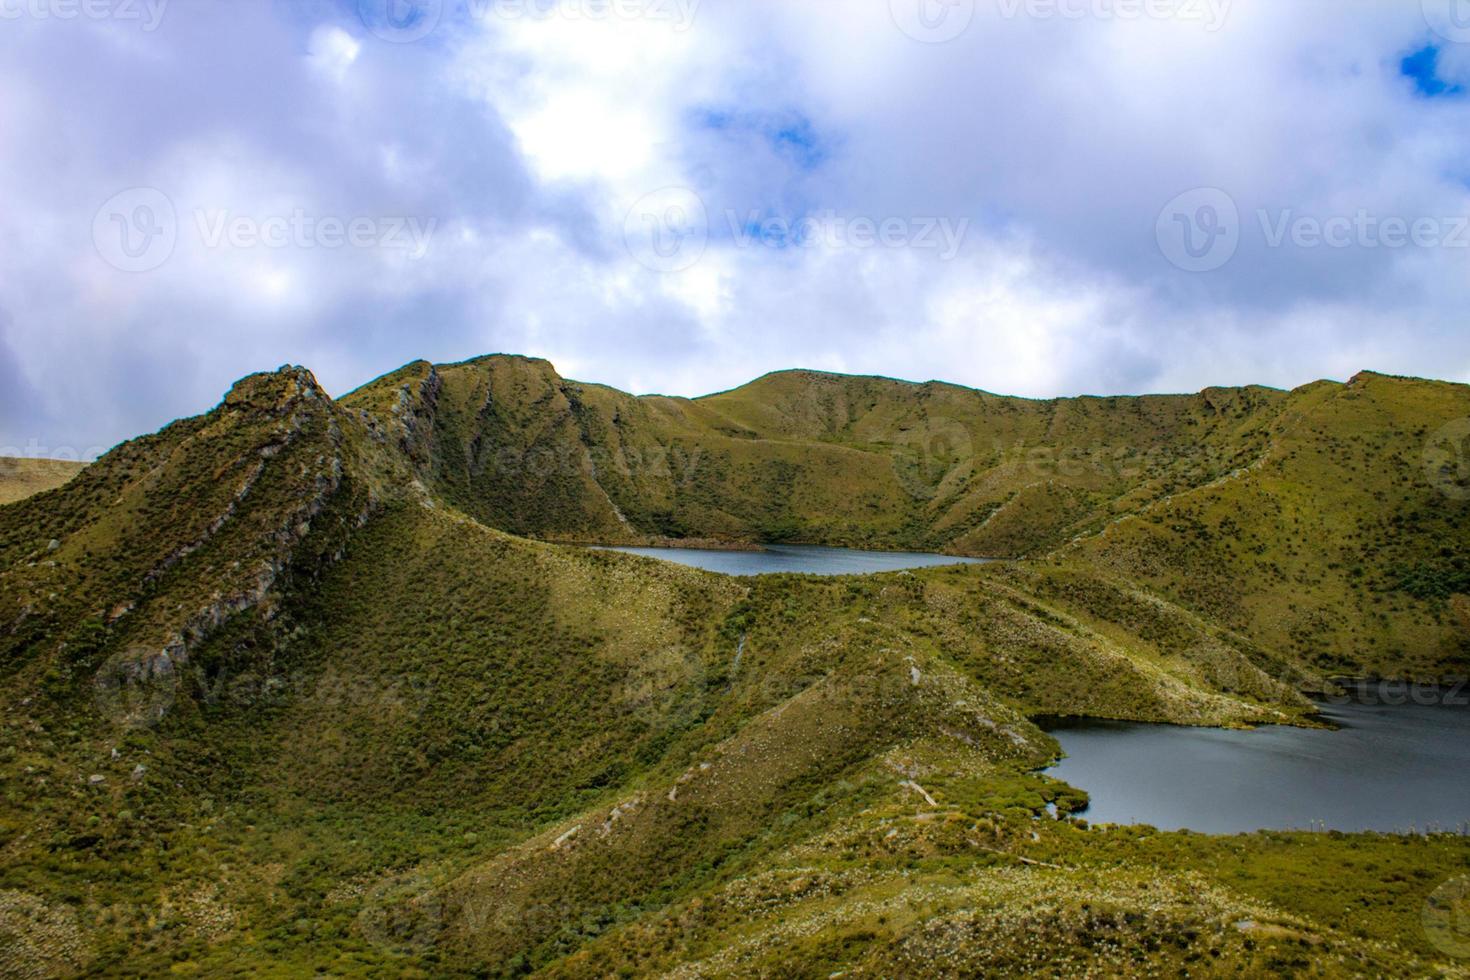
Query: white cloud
[[527, 140], [332, 51]]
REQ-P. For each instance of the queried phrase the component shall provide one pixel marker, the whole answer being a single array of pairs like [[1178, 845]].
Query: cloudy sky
[[1035, 197]]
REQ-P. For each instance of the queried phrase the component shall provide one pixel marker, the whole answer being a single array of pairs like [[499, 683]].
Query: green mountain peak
[[311, 684]]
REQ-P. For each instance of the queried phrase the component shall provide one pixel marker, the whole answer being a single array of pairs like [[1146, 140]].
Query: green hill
[[1307, 521], [21, 478], [292, 687]]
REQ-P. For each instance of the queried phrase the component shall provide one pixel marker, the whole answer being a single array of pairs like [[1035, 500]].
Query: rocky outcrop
[[268, 486]]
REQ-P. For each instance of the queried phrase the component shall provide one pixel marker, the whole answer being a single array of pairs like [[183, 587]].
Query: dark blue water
[[1390, 767], [805, 559]]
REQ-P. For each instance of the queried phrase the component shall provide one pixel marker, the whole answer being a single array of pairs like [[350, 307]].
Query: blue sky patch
[[790, 135], [1423, 68]]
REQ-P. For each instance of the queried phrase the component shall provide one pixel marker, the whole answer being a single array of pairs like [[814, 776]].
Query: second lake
[[804, 559]]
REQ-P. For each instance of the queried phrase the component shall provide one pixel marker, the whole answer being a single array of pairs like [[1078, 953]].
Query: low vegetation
[[292, 687], [21, 478]]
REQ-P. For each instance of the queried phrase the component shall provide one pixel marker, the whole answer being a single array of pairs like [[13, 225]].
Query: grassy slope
[[389, 739], [802, 456], [394, 790], [1306, 521], [22, 478], [1335, 549]]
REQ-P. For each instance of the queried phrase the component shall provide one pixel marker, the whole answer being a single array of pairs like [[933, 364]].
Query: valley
[[313, 684]]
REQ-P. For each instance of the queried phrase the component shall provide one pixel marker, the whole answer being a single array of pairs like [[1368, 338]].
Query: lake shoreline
[[1379, 768], [794, 559], [726, 544], [682, 544], [1366, 691]]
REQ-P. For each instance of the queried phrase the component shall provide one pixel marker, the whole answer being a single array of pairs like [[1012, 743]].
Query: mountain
[[1318, 522], [314, 685], [20, 478]]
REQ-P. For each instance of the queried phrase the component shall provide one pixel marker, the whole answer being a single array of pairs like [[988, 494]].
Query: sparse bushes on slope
[[390, 739]]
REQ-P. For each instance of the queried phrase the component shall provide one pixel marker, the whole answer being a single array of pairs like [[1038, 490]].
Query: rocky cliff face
[[161, 542]]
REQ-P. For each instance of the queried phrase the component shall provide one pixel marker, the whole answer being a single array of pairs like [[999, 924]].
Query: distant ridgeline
[[292, 684], [20, 478], [1329, 522]]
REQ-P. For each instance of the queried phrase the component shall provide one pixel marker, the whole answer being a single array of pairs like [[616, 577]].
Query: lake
[[804, 559], [1390, 767]]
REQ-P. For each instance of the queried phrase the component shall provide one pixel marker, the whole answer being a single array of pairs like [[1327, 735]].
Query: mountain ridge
[[516, 446], [294, 686], [866, 462]]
